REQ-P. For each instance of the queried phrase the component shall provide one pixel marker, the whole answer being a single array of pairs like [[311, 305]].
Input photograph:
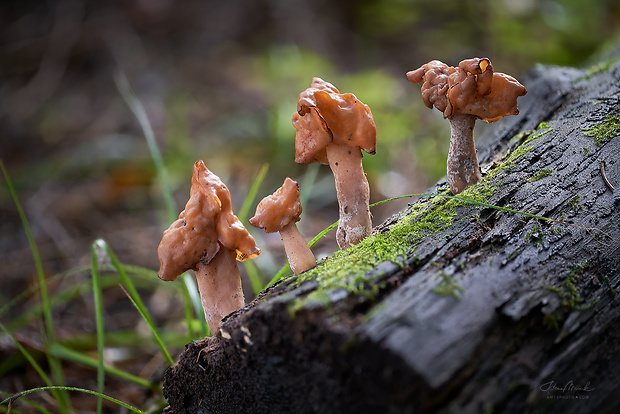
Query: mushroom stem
[[220, 288], [353, 194], [463, 167], [299, 255]]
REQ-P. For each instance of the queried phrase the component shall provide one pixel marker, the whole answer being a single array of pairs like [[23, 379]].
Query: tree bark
[[497, 312]]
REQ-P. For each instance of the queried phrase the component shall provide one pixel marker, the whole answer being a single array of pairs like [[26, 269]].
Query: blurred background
[[219, 81]]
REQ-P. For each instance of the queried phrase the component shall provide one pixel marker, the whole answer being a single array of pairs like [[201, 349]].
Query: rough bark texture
[[497, 312]]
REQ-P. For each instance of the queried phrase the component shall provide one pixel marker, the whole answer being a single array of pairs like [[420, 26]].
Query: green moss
[[535, 235], [598, 68], [348, 269], [570, 298], [540, 175], [514, 255], [585, 151], [611, 289], [542, 129], [606, 130], [448, 286], [573, 204]]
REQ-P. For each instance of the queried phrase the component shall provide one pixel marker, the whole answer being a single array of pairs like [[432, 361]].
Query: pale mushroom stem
[[220, 288], [299, 255], [463, 167], [353, 194]]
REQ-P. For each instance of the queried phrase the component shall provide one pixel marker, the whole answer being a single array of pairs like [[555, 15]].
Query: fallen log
[[452, 305]]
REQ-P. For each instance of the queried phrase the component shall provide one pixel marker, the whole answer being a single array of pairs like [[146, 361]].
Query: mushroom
[[332, 128], [209, 239], [470, 91], [280, 212]]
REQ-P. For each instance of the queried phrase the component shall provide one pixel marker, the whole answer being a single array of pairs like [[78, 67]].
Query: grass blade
[[142, 278], [124, 88], [27, 355], [39, 408], [311, 243], [135, 298], [145, 315], [249, 198], [190, 296], [244, 212], [63, 352], [49, 335], [193, 303], [10, 400], [98, 299], [284, 270], [254, 276], [307, 183]]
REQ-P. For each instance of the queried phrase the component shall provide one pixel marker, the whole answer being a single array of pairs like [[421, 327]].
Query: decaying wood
[[532, 325]]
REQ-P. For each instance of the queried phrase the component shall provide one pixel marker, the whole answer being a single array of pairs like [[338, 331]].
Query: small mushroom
[[332, 128], [209, 239], [463, 94], [280, 212]]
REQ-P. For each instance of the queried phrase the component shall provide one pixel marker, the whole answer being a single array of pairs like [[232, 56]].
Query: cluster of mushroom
[[331, 128]]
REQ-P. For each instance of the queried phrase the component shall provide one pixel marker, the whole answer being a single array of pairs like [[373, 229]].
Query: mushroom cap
[[471, 89], [279, 209], [323, 116], [434, 78], [205, 226]]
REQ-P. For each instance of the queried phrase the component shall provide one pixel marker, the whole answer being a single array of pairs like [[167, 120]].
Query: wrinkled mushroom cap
[[205, 226], [279, 209], [323, 116], [471, 89], [434, 79]]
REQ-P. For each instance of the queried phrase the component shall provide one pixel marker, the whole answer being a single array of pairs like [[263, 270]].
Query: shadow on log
[[485, 310]]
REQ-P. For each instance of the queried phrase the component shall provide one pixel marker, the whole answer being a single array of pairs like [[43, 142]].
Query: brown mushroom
[[463, 94], [280, 212], [209, 239], [332, 128]]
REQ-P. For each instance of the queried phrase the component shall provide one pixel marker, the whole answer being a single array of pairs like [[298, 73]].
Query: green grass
[[98, 301], [53, 389], [250, 267], [48, 333], [135, 298], [54, 351]]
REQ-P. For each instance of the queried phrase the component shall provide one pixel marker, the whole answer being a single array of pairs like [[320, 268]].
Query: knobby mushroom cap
[[205, 226], [276, 211], [209, 239], [323, 116], [280, 212], [472, 88]]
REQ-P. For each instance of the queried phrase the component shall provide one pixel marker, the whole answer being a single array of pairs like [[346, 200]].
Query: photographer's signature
[[569, 390]]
